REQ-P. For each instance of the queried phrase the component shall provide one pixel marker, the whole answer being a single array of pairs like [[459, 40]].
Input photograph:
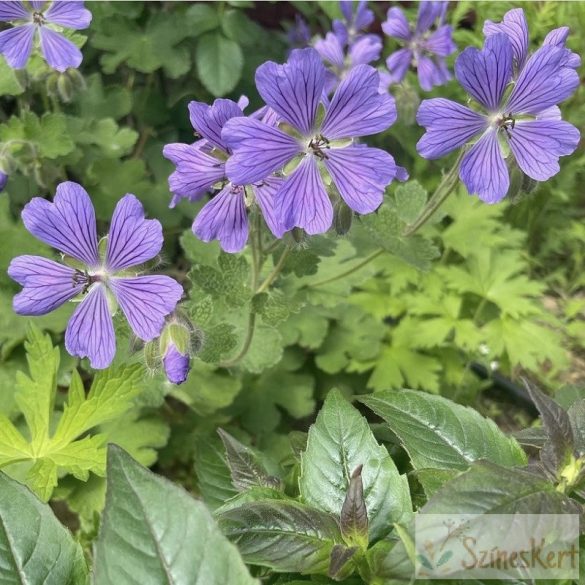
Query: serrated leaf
[[219, 63], [47, 554], [284, 535], [153, 532], [410, 199], [218, 342], [487, 488], [339, 442], [97, 102], [9, 82], [441, 434]]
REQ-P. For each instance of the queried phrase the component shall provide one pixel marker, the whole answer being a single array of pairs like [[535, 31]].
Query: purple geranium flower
[[294, 91], [354, 21], [514, 25], [41, 17], [3, 180], [102, 281], [425, 49], [201, 166], [524, 121]]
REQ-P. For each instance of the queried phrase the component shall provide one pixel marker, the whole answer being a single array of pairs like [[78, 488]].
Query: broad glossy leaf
[[154, 532], [284, 535], [339, 442], [438, 433], [34, 547]]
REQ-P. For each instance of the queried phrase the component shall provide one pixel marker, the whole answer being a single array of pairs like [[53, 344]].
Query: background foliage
[[482, 288]]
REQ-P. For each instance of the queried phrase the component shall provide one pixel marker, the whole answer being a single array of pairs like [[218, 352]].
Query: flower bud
[[3, 181], [175, 345], [342, 217]]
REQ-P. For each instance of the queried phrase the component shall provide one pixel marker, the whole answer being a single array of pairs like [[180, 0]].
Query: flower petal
[[484, 171], [428, 73], [428, 12], [538, 144], [47, 284], [398, 64], [90, 332], [16, 44], [294, 89], [361, 174], [486, 73], [264, 193], [13, 11], [132, 240], [196, 170], [515, 27], [357, 108], [449, 125], [209, 120], [330, 49], [396, 25], [60, 53], [69, 13], [176, 365], [146, 301], [558, 37], [224, 218], [365, 50], [441, 42], [544, 82], [363, 15], [302, 200], [68, 224], [259, 150]]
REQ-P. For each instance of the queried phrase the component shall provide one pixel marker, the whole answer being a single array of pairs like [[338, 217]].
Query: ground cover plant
[[277, 278]]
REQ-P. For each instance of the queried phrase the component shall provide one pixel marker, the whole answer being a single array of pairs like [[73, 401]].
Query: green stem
[[247, 343], [275, 271], [355, 268], [445, 188]]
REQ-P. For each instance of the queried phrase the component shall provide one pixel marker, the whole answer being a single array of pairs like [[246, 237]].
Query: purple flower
[[514, 25], [176, 364], [101, 281], [524, 121], [425, 49], [3, 180], [294, 91], [35, 17], [299, 34], [202, 165], [354, 22]]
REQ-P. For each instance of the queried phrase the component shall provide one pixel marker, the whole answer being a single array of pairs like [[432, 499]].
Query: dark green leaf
[[219, 63]]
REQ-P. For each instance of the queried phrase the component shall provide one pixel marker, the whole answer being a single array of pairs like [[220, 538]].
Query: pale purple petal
[[330, 50], [16, 44], [68, 224], [544, 82], [552, 113], [176, 365], [146, 301], [538, 144], [341, 32], [440, 42], [558, 38], [69, 13], [13, 11], [303, 202], [264, 193], [428, 73], [133, 239], [259, 150], [513, 25], [449, 125], [398, 64], [224, 218], [363, 16], [196, 171], [46, 284], [365, 50], [346, 9], [294, 89], [486, 73], [209, 120], [396, 25], [90, 332], [37, 5], [484, 171], [60, 53], [357, 108], [361, 174], [428, 12]]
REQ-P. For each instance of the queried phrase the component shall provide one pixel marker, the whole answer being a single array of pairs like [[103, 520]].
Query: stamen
[[38, 18]]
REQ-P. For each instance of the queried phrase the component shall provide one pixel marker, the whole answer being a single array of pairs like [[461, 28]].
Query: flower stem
[[275, 271], [353, 269], [445, 188], [247, 342]]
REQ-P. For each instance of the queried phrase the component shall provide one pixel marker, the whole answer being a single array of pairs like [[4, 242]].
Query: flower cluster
[[101, 275], [425, 45], [286, 156], [518, 96], [41, 19]]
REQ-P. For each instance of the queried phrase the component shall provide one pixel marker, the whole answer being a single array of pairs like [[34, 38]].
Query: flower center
[[38, 18], [83, 277], [317, 145], [503, 121]]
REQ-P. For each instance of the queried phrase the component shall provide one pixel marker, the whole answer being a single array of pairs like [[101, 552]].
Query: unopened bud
[[521, 185], [176, 364], [3, 181], [342, 217], [176, 350], [64, 88]]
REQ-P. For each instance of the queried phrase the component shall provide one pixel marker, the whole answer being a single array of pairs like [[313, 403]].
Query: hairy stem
[[247, 342], [275, 271]]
